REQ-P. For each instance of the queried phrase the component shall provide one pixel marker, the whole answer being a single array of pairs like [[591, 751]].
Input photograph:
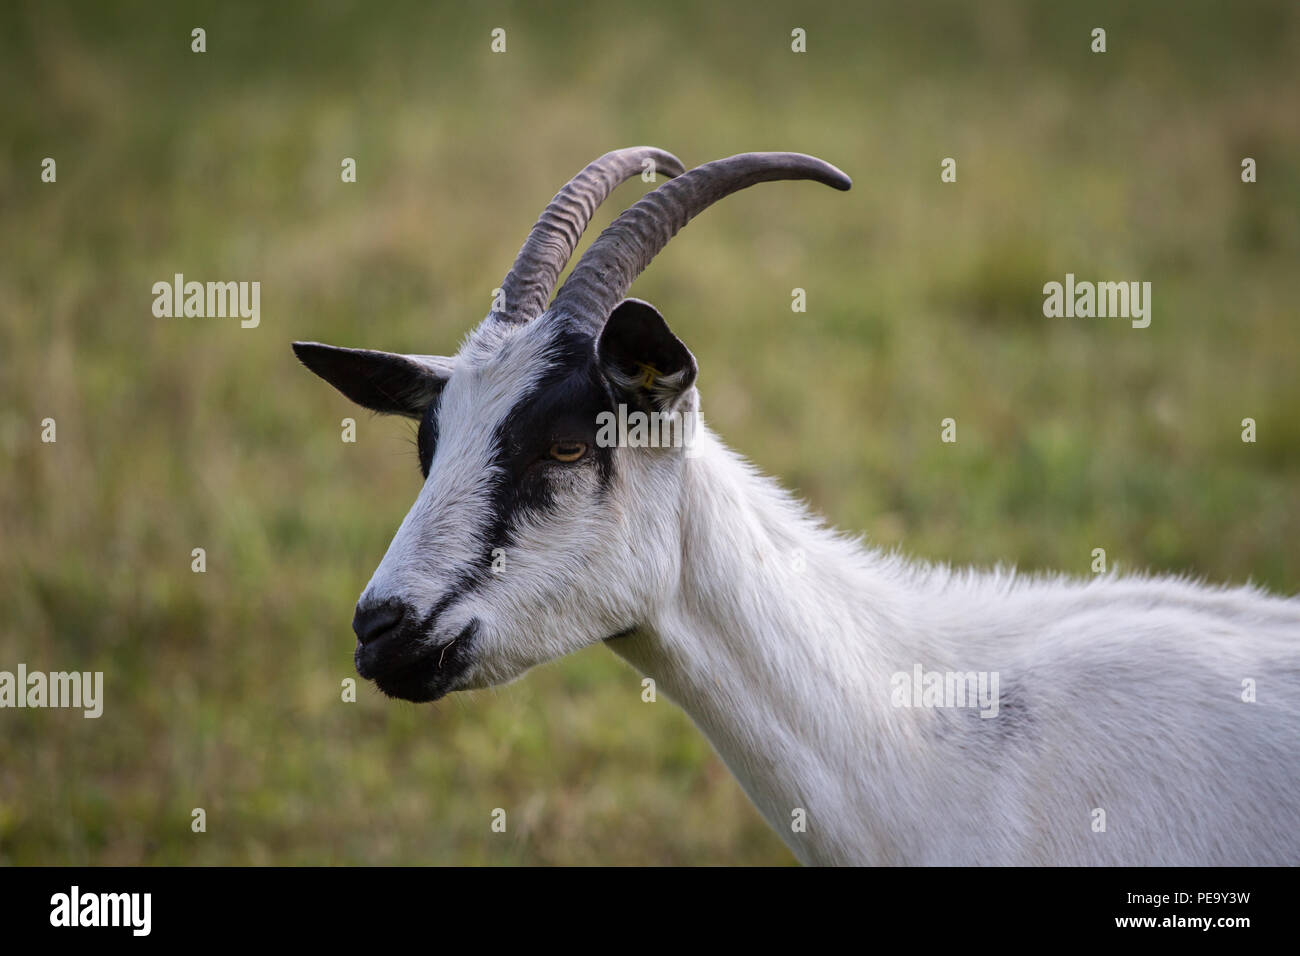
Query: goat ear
[[380, 381], [642, 359]]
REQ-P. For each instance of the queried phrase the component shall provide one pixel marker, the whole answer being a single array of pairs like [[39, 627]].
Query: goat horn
[[528, 285], [603, 275]]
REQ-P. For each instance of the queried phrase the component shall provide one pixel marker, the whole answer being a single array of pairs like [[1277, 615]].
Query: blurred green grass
[[923, 302]]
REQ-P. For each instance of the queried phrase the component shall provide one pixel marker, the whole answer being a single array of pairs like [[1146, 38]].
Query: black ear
[[642, 359], [380, 381]]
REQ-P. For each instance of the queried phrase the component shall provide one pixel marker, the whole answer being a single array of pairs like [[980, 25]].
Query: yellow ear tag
[[648, 374]]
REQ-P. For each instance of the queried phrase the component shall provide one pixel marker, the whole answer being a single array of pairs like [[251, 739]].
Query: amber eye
[[567, 451]]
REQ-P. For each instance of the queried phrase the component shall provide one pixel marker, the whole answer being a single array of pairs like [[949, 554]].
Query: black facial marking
[[426, 437], [413, 670], [562, 407]]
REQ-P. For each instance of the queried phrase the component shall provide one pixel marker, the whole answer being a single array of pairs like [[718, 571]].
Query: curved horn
[[604, 274], [531, 279]]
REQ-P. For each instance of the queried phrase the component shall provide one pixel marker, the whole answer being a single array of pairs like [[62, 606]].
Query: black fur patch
[[413, 671], [562, 407], [426, 437]]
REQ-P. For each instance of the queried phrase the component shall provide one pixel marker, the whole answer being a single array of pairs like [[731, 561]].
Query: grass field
[[924, 301]]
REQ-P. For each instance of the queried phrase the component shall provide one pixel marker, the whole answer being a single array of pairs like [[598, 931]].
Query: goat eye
[[568, 451]]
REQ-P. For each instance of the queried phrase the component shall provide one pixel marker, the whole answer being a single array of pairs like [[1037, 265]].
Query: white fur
[[1129, 697], [1118, 694]]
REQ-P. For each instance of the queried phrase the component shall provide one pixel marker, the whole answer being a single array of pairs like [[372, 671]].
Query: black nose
[[376, 620]]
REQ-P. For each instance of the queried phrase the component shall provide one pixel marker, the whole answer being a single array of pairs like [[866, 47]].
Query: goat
[[1118, 730]]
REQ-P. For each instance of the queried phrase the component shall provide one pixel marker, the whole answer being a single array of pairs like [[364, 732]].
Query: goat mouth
[[410, 669]]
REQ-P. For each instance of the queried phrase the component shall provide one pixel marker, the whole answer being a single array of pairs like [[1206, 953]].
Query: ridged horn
[[605, 273], [546, 251]]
